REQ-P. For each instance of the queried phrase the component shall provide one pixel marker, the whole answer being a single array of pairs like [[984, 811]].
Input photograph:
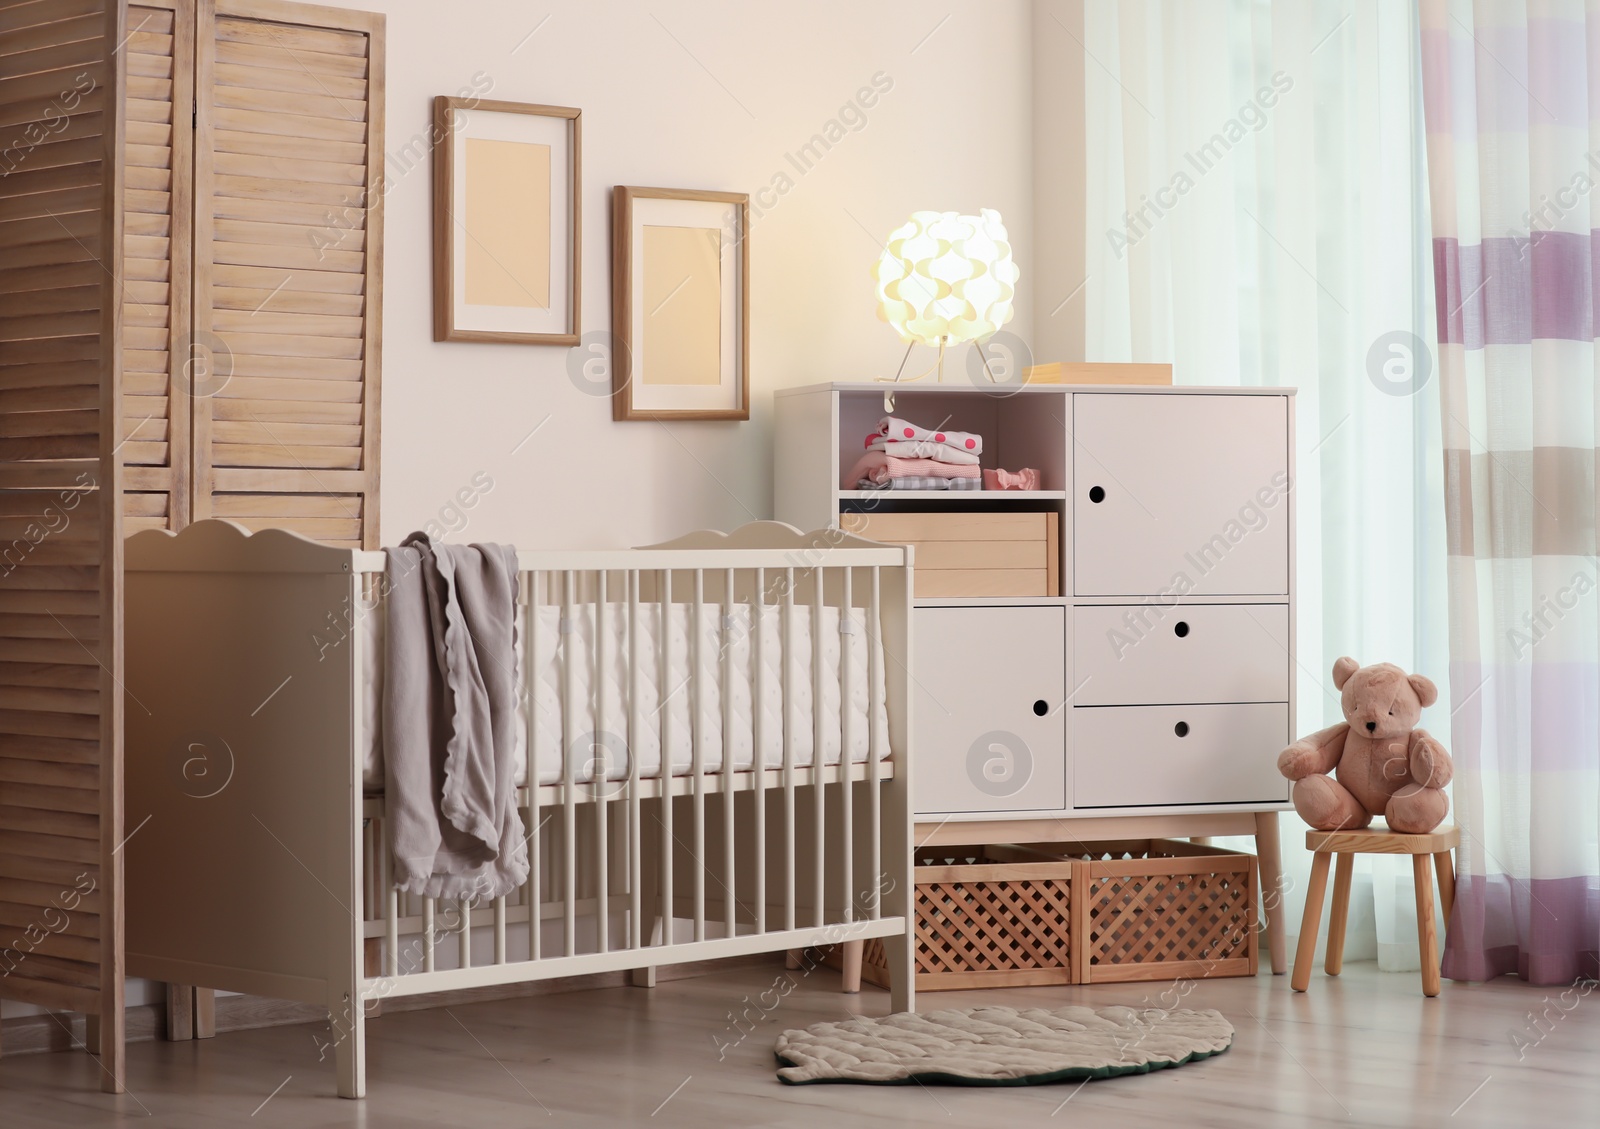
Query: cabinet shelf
[[956, 497]]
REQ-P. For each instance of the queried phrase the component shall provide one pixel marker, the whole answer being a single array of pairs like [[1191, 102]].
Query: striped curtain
[[1512, 104]]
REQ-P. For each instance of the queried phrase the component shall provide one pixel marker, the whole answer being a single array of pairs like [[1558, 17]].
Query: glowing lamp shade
[[946, 278]]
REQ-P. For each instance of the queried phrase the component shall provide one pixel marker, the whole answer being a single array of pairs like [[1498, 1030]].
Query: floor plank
[[1365, 1049]]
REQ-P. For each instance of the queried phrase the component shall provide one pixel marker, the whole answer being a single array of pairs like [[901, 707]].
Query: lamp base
[[936, 367]]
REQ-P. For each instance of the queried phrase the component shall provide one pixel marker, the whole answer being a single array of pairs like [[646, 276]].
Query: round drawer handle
[[1041, 707], [1097, 494], [1181, 629], [1181, 729]]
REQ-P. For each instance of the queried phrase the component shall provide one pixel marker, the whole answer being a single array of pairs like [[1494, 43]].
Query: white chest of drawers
[[1152, 693]]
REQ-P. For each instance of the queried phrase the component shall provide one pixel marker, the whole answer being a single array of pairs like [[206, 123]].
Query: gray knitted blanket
[[449, 712]]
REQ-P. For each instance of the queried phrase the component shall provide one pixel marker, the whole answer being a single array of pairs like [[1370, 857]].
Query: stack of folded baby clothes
[[902, 456]]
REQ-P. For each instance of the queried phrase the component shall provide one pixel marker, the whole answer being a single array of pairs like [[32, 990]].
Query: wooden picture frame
[[694, 365], [497, 287]]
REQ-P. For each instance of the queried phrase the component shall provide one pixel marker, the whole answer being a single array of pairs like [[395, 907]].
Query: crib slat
[[874, 799], [391, 939], [664, 682], [369, 870], [427, 934], [729, 775], [847, 629], [758, 741], [790, 828], [698, 741], [569, 823], [464, 939], [500, 930], [530, 894], [635, 737], [600, 771], [819, 790]]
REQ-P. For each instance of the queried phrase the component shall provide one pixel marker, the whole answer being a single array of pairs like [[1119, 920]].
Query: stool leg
[[1340, 916], [1427, 938], [1307, 948], [1447, 885]]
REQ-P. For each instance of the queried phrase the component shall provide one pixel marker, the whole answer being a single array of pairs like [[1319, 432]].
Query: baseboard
[[63, 1031]]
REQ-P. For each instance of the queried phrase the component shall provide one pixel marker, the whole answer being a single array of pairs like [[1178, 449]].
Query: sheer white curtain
[[1256, 215]]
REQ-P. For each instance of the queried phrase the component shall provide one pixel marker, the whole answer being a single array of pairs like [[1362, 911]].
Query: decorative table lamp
[[946, 278]]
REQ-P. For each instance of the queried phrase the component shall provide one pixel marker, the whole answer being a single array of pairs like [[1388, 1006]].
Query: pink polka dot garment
[[905, 431]]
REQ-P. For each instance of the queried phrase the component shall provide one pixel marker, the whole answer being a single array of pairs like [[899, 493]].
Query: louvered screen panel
[[60, 543], [288, 273], [158, 361]]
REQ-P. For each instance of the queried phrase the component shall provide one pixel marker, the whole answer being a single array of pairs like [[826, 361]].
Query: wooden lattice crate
[[1158, 909], [987, 917]]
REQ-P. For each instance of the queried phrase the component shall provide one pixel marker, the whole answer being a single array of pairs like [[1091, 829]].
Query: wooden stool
[[1348, 844]]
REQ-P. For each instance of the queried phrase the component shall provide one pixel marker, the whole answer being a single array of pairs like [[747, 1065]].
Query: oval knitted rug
[[1000, 1046]]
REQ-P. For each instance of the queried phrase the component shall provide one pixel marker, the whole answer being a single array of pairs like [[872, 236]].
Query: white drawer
[[989, 730], [1134, 756], [1156, 653], [1186, 494]]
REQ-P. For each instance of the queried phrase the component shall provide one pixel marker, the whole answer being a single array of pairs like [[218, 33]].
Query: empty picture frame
[[507, 221], [680, 305]]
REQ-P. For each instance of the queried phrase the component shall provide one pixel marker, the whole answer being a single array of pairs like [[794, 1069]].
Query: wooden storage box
[[1094, 372], [987, 917], [979, 553], [1160, 909], [1079, 913]]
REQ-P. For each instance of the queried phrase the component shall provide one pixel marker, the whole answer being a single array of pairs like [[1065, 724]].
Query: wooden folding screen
[[190, 269], [61, 231], [288, 268], [254, 152], [161, 360]]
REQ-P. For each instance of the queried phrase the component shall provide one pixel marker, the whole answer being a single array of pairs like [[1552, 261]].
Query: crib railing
[[721, 860]]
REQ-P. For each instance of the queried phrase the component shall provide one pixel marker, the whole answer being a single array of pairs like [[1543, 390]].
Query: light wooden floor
[[1365, 1049]]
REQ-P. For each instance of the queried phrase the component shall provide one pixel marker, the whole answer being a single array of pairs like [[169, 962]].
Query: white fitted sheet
[[668, 693]]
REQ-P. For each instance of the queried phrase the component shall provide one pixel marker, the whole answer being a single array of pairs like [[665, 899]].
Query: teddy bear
[[1381, 764]]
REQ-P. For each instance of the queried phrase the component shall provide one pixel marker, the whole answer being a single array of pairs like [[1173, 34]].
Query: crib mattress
[[674, 706]]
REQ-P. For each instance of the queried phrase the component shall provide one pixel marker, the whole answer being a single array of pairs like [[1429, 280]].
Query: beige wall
[[711, 94]]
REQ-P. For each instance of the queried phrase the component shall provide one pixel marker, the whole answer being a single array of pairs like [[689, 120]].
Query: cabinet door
[[1148, 756], [989, 725], [1180, 494]]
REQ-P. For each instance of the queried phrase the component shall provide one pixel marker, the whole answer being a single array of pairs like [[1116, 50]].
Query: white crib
[[257, 861]]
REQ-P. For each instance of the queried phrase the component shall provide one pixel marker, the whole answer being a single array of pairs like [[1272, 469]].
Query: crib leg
[[646, 977], [850, 963], [791, 959], [350, 1047], [902, 973]]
